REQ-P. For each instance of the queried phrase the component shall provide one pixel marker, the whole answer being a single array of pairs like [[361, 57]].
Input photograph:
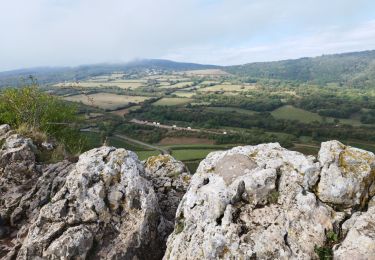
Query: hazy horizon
[[54, 33]]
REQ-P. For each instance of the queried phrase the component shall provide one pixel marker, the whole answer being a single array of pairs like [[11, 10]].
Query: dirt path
[[129, 139]]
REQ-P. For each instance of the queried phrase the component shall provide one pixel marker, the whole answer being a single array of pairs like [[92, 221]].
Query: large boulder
[[346, 176], [105, 209], [252, 202]]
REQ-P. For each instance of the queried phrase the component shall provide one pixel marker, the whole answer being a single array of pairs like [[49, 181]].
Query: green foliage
[[35, 109], [324, 253], [332, 236], [36, 112], [354, 69]]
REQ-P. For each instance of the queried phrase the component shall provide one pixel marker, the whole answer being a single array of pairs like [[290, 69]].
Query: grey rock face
[[359, 242], [259, 202], [252, 202], [346, 176], [24, 189], [170, 179], [105, 209]]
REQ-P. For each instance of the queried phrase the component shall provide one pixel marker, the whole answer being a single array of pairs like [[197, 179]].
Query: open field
[[179, 85], [184, 94], [293, 113], [172, 101], [143, 155], [106, 100], [191, 154], [97, 84], [124, 111], [209, 82], [231, 110], [228, 87], [184, 140], [206, 72]]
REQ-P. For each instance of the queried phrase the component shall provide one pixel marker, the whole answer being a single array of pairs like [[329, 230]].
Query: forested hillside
[[58, 74], [355, 69]]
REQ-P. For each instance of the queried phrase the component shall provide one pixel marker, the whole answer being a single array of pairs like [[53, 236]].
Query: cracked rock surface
[[105, 209], [251, 202], [266, 202], [170, 179]]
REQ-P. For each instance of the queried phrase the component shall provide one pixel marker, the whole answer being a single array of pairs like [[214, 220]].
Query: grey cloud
[[72, 32]]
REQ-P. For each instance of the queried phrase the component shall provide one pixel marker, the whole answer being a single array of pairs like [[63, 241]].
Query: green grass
[[306, 149], [93, 140], [191, 154], [198, 146], [192, 165], [172, 101], [231, 109], [178, 85], [121, 143], [183, 94], [365, 146], [292, 113], [143, 155]]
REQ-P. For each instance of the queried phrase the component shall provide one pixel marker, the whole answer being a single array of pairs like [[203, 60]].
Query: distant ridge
[[354, 68], [58, 74]]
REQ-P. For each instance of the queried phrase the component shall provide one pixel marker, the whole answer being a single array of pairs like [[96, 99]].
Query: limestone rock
[[4, 129], [359, 243], [18, 173], [170, 179], [24, 212], [105, 209], [346, 176], [47, 146], [251, 202]]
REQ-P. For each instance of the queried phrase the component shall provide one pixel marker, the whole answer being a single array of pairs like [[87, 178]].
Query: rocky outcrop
[[103, 206], [105, 209], [25, 186], [359, 242], [346, 175], [170, 179], [265, 202], [251, 202]]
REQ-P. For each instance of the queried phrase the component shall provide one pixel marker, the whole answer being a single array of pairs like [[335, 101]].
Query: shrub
[[38, 114]]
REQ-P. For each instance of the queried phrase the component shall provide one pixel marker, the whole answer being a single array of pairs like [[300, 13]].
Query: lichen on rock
[[170, 179], [346, 175], [104, 202]]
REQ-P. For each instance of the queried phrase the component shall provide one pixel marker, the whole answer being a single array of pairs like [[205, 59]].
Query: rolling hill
[[58, 74], [355, 69]]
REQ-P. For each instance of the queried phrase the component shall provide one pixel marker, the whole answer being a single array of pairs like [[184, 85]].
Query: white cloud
[[329, 41], [72, 32]]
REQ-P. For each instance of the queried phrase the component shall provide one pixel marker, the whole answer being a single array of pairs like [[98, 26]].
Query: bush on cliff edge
[[39, 112]]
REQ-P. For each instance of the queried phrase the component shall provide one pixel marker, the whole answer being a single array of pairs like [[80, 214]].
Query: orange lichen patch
[[352, 161], [153, 160]]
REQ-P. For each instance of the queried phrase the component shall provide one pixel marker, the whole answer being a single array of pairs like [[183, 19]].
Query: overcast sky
[[74, 32]]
